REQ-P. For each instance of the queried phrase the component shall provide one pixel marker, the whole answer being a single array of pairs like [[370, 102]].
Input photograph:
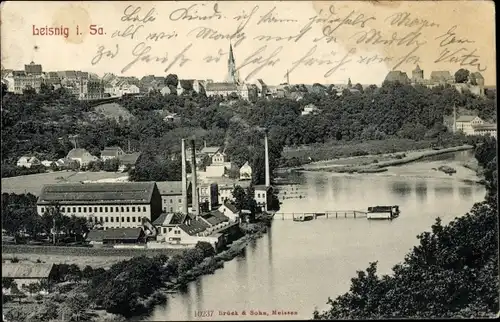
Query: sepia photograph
[[248, 160]]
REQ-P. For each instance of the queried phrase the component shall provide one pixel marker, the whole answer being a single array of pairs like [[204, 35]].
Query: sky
[[316, 42]]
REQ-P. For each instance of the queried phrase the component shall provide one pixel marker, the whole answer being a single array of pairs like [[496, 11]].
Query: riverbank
[[329, 151], [377, 163], [56, 303]]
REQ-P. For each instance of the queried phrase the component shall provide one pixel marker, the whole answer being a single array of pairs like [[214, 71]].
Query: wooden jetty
[[332, 214]]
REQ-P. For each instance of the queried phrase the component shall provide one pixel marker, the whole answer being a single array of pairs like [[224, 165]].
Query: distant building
[[113, 152], [466, 123], [310, 109], [417, 75], [82, 156], [114, 236], [165, 90], [112, 205], [209, 150], [222, 89], [246, 172], [208, 195], [28, 161], [262, 196], [261, 88], [485, 129], [397, 76], [24, 274], [229, 210], [171, 195], [441, 77], [18, 81], [33, 69], [225, 191]]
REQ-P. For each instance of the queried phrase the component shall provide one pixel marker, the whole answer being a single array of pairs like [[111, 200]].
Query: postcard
[[248, 160]]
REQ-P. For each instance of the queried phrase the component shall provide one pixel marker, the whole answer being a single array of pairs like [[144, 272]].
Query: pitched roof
[[130, 158], [231, 206], [214, 217], [221, 87], [24, 270], [440, 75], [196, 226], [466, 118], [261, 187], [77, 153], [169, 188], [210, 149], [97, 193], [114, 233], [397, 75], [111, 151]]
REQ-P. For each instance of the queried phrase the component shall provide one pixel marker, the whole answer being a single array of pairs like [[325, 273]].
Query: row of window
[[171, 200], [101, 209], [106, 219]]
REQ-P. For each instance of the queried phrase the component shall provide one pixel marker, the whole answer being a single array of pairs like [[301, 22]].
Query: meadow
[[33, 183]]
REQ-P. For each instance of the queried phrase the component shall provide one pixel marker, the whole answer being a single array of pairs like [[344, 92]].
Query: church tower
[[417, 75], [232, 73]]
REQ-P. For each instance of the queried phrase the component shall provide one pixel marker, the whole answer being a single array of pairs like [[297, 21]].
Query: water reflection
[[465, 191], [297, 266], [401, 188], [199, 293], [421, 191]]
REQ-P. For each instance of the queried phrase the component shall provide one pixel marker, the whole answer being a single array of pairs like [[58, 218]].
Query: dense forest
[[452, 273], [42, 124]]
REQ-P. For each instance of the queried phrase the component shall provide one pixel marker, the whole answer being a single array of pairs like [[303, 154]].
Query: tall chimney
[[268, 177], [194, 186], [184, 179]]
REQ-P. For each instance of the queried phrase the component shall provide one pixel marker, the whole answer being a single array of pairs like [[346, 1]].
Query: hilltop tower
[[232, 73], [417, 75]]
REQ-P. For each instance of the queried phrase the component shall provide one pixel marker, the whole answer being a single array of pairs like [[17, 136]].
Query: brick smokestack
[[194, 186], [268, 175], [184, 179]]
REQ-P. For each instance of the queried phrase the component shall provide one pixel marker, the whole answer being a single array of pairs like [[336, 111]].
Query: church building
[[232, 85]]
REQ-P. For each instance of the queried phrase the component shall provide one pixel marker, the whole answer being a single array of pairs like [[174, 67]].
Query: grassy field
[[81, 256], [113, 111], [33, 183], [339, 149]]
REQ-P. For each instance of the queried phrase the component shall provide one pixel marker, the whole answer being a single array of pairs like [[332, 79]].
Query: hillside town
[[218, 194]]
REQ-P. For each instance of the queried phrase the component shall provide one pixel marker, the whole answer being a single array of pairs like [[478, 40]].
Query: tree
[[206, 248], [462, 75], [239, 196], [452, 273], [472, 78], [7, 282], [171, 80]]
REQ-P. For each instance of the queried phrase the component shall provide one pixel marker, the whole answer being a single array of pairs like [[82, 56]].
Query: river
[[296, 266]]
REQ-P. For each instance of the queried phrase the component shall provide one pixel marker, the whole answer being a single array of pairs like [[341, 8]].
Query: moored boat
[[383, 212], [304, 217]]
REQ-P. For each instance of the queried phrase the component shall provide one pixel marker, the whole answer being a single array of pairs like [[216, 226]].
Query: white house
[[81, 155], [466, 123], [28, 161], [112, 152], [219, 158], [47, 163], [262, 195], [246, 171], [485, 129], [229, 210], [165, 91], [310, 109]]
